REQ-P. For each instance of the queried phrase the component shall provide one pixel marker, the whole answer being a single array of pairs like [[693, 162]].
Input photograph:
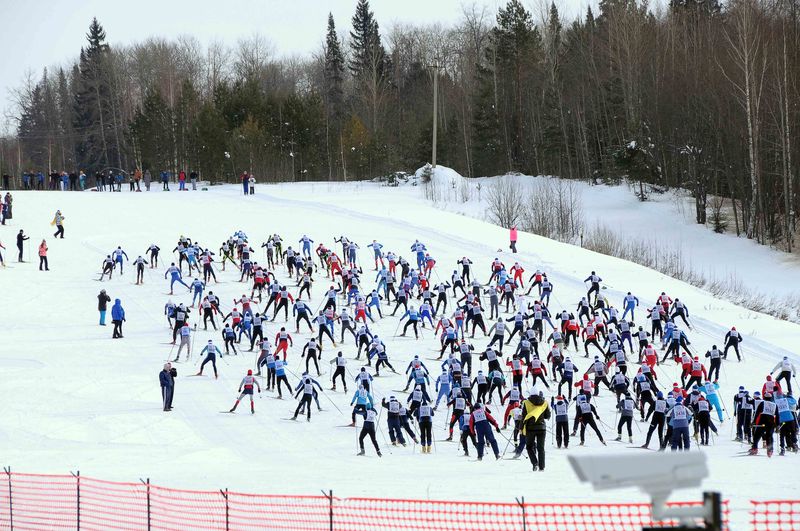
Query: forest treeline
[[696, 94]]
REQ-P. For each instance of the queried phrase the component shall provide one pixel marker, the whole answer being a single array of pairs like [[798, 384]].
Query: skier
[[625, 407], [743, 410], [393, 420], [211, 351], [560, 406], [679, 417], [535, 412], [139, 263], [107, 267], [341, 365], [246, 389], [764, 421], [185, 333], [307, 389], [368, 429], [787, 372], [117, 255], [176, 276], [480, 425], [629, 302], [732, 339], [594, 286], [153, 252], [363, 402], [658, 410], [424, 414], [586, 414]]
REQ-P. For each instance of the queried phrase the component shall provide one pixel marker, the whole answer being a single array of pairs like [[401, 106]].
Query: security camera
[[652, 474], [656, 475]]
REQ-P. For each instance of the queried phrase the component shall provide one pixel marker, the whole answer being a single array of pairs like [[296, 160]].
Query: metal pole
[[521, 503], [77, 477], [227, 513], [7, 470], [435, 109], [329, 495], [148, 501]]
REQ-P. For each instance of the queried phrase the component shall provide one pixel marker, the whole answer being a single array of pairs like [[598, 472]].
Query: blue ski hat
[[679, 400]]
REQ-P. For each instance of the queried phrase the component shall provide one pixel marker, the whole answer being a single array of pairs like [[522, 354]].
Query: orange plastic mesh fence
[[46, 502], [775, 515]]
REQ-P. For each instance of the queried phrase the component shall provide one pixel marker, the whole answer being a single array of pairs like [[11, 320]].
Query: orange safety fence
[[775, 515], [71, 501]]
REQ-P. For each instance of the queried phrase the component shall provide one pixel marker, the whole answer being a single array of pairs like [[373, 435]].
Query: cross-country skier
[[211, 351], [246, 389]]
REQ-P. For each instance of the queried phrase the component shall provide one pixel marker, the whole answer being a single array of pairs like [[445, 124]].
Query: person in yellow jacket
[[535, 412], [58, 221]]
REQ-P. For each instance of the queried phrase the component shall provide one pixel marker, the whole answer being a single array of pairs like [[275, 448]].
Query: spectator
[[117, 317], [43, 256], [147, 180], [167, 380], [20, 241], [102, 300], [193, 177], [58, 221]]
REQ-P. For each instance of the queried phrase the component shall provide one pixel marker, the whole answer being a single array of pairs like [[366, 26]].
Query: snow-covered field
[[73, 398], [665, 221]]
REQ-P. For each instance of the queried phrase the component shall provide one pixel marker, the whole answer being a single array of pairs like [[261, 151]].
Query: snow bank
[[73, 398], [741, 269]]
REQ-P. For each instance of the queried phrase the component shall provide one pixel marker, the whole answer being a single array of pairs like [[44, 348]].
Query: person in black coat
[[102, 301], [167, 380], [20, 240]]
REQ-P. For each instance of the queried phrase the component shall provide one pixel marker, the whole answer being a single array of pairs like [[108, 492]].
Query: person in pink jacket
[[513, 236]]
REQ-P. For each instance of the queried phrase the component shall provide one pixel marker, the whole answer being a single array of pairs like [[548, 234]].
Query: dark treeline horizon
[[698, 94]]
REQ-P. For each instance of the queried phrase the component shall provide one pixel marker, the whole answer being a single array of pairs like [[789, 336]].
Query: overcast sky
[[40, 33]]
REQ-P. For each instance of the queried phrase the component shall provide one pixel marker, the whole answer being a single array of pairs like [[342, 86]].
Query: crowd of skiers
[[573, 354]]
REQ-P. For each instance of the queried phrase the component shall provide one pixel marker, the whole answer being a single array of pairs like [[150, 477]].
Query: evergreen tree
[[334, 72], [92, 120], [365, 42], [152, 132], [369, 64], [334, 95], [212, 145]]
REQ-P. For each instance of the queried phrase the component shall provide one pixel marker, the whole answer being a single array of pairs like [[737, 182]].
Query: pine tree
[[365, 42], [369, 63], [92, 120], [152, 131], [65, 110], [334, 95], [334, 72]]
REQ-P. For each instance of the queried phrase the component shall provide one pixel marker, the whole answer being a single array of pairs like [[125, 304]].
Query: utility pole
[[435, 109]]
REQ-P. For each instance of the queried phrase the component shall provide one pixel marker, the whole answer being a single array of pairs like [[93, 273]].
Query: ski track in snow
[[73, 398]]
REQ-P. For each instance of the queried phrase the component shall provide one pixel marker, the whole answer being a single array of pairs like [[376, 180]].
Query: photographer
[[167, 379]]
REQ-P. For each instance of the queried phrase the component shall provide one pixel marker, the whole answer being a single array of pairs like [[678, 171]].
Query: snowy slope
[[665, 221], [73, 398]]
